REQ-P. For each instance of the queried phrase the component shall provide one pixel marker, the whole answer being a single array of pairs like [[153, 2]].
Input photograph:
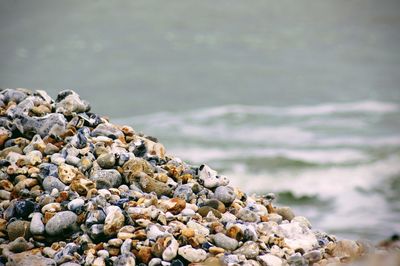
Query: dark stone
[[23, 208]]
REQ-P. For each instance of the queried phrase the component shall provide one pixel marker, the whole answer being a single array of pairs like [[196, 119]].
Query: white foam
[[333, 156], [367, 106], [301, 110], [326, 183]]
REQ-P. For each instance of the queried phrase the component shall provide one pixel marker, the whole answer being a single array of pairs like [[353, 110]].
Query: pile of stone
[[78, 190]]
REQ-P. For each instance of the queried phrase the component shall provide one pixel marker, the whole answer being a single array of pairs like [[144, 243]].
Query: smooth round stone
[[225, 194], [23, 208], [203, 211], [274, 217], [155, 262], [188, 212], [103, 253], [225, 242], [106, 160], [5, 195], [313, 256], [106, 178], [216, 204], [270, 260], [126, 246], [18, 228], [125, 260], [191, 254], [61, 223], [51, 182], [285, 212], [75, 204], [37, 226], [171, 251]]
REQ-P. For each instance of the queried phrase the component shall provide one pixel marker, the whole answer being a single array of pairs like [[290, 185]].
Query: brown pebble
[[48, 216], [216, 250], [216, 204], [158, 248], [18, 228], [62, 197], [235, 232], [144, 254], [180, 204], [188, 232], [203, 211], [6, 185]]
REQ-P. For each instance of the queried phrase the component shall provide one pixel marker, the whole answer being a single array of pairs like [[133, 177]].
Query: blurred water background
[[301, 98]]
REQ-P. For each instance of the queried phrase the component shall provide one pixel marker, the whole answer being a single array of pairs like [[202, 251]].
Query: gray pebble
[[225, 242], [106, 178], [106, 160], [61, 223], [75, 204], [37, 226], [225, 194], [51, 182]]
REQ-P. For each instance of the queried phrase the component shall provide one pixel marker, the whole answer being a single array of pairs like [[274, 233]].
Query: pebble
[[210, 178], [125, 260], [247, 215], [270, 260], [225, 242], [17, 229], [171, 251], [114, 221], [191, 254], [75, 204], [285, 212], [23, 208], [37, 226], [50, 182], [106, 160], [69, 102], [62, 223], [225, 194], [106, 178]]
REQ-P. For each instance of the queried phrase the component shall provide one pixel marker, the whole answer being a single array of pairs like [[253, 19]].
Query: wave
[[300, 110], [272, 155], [326, 183]]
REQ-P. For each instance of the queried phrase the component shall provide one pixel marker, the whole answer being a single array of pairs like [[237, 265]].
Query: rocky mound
[[76, 189]]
